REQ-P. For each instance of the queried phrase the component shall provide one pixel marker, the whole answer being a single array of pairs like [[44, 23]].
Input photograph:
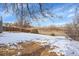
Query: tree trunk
[[1, 28]]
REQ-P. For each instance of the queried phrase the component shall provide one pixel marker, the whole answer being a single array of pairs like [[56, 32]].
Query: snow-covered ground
[[65, 45]]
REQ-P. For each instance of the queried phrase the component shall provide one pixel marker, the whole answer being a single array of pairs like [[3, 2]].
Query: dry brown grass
[[46, 31], [29, 49], [7, 52], [56, 33]]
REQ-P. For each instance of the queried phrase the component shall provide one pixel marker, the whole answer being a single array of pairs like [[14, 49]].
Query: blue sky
[[60, 9]]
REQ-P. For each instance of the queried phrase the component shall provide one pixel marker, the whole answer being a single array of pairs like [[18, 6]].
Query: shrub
[[35, 31], [72, 31], [52, 34], [1, 29]]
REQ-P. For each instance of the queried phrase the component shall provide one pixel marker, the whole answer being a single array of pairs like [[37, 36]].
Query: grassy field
[[39, 30], [52, 32]]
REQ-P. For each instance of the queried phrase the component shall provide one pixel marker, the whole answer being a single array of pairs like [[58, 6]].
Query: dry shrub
[[72, 31], [52, 34], [35, 31]]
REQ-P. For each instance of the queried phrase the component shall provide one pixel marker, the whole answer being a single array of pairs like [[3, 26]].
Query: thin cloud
[[70, 15]]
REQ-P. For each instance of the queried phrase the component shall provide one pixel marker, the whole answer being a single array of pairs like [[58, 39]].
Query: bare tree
[[73, 28], [28, 12]]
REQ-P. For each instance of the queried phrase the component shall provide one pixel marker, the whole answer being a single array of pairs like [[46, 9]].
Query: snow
[[64, 45]]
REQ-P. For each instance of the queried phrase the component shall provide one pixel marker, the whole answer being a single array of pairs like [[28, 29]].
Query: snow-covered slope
[[65, 45]]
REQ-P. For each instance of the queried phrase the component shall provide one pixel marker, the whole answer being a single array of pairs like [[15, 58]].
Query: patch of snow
[[67, 46]]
